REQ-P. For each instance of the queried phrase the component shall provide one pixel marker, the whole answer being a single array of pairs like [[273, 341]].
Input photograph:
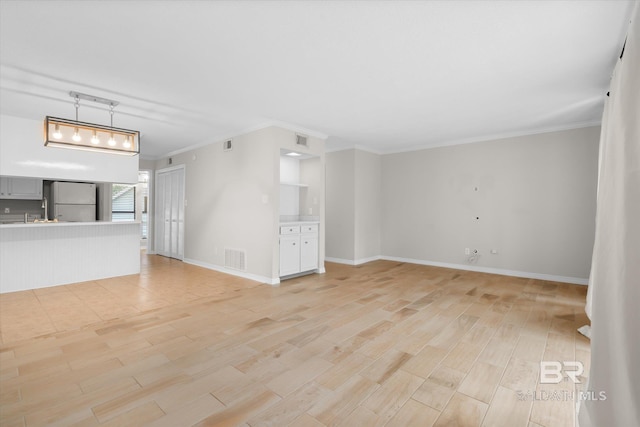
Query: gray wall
[[224, 201], [340, 194], [146, 164], [535, 201], [368, 204], [233, 199], [353, 205]]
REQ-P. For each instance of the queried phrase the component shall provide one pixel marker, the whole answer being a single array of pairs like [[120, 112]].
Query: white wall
[[233, 200], [535, 201], [340, 205], [23, 153]]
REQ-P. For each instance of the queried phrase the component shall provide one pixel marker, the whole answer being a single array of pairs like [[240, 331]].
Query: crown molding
[[497, 136]]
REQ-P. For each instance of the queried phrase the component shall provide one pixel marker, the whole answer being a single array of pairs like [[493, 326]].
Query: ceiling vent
[[228, 146], [301, 140]]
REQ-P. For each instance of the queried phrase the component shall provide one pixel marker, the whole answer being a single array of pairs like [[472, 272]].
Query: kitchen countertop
[[289, 223], [65, 224]]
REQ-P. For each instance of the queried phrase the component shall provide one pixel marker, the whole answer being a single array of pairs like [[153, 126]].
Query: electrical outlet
[[7, 210], [467, 251]]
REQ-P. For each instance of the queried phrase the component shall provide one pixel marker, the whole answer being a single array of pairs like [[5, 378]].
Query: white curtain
[[613, 300]]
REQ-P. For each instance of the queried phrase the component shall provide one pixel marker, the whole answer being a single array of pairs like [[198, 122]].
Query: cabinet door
[[4, 183], [308, 253], [289, 255], [22, 188]]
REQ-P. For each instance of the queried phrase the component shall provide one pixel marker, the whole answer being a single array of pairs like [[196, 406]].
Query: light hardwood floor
[[384, 343]]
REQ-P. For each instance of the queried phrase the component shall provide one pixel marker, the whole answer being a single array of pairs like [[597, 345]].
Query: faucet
[[45, 205]]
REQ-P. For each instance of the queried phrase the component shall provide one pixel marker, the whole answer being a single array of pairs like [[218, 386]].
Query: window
[[123, 202], [130, 202]]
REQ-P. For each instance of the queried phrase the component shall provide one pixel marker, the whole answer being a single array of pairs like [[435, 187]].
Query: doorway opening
[[131, 203], [142, 206]]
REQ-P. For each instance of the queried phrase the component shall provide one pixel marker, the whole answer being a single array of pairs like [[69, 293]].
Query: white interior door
[[170, 212], [159, 241]]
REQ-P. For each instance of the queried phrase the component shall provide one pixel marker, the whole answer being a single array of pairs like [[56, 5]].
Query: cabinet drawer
[[313, 228], [293, 229]]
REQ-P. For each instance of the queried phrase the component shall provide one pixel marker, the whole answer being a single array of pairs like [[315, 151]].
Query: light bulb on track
[[56, 133], [76, 136]]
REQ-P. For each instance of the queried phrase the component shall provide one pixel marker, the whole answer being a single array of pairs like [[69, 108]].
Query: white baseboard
[[351, 261], [221, 269], [500, 271]]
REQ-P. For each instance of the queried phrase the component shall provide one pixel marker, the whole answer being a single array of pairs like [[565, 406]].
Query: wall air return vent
[[235, 259], [228, 146], [301, 140]]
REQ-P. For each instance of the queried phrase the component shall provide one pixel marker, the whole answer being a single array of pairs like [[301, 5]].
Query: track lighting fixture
[[65, 133]]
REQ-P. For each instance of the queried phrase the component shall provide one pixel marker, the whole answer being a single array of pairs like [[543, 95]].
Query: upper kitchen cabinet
[[20, 188]]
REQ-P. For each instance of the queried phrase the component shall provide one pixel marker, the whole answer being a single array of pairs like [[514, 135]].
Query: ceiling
[[384, 76]]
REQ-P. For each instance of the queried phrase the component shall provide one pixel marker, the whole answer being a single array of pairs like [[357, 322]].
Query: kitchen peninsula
[[44, 254], [40, 255]]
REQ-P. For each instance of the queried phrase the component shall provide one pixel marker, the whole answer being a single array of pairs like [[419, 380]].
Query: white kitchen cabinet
[[291, 229], [298, 249], [20, 188], [308, 252], [289, 254]]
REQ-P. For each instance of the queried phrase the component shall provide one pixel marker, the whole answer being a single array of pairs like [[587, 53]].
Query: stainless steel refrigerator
[[73, 201]]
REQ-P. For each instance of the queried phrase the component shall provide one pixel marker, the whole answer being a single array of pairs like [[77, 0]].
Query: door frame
[[151, 210], [158, 209]]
